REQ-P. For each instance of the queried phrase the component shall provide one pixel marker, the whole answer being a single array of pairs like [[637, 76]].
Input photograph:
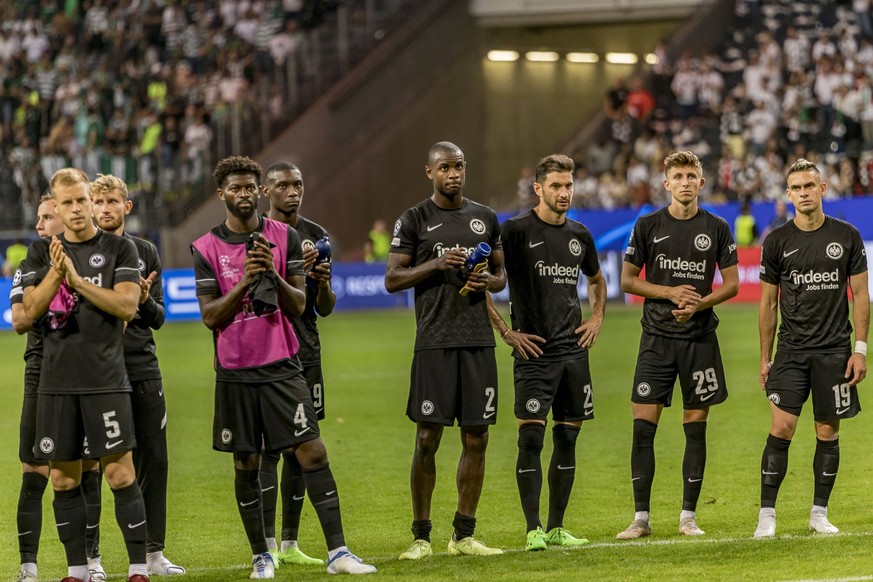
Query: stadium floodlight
[[503, 56], [541, 56], [652, 59], [622, 58], [583, 57]]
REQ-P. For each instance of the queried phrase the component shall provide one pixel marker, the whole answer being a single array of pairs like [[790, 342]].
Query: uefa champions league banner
[[362, 286], [357, 286]]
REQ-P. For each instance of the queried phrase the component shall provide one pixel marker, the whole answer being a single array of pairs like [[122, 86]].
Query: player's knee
[[427, 442], [33, 485], [530, 438], [118, 475], [247, 461], [312, 454], [695, 433], [644, 433], [565, 435], [475, 441], [270, 460], [827, 431]]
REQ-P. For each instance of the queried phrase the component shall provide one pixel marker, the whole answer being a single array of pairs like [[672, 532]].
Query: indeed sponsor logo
[[440, 249], [96, 280], [811, 276], [560, 274], [679, 264], [556, 270]]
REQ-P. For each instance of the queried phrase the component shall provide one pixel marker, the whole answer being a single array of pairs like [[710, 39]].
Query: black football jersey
[[306, 325], [140, 357], [85, 354], [812, 270], [444, 317], [680, 252], [543, 265]]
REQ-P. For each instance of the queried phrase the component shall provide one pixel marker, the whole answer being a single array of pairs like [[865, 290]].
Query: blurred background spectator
[[378, 243], [155, 90]]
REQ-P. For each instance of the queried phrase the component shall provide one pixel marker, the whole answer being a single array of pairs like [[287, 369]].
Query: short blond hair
[[803, 165], [684, 159], [67, 177], [106, 183]]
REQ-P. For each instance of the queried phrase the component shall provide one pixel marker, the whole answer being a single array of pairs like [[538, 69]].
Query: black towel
[[262, 291]]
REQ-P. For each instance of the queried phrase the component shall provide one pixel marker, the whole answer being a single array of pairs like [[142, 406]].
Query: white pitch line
[[607, 545]]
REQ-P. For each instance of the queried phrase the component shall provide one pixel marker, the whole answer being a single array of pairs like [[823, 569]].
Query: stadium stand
[[152, 91], [790, 79]]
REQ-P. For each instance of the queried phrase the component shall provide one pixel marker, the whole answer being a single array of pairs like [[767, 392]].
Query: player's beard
[[240, 213], [110, 226], [553, 206]]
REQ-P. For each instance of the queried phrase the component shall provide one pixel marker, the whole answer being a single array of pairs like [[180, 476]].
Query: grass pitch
[[369, 439]]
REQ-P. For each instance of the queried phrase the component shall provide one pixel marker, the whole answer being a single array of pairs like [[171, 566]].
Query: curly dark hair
[[235, 165]]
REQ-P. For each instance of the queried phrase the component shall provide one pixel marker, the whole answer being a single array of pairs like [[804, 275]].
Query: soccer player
[[807, 265], [680, 246], [88, 290], [249, 273], [454, 373], [283, 186], [545, 253], [35, 473], [111, 205]]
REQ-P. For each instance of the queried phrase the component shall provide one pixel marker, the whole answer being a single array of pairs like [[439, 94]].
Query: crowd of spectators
[[792, 79], [152, 90]]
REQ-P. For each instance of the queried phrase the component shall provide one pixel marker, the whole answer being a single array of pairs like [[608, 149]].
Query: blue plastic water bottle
[[476, 262], [323, 248]]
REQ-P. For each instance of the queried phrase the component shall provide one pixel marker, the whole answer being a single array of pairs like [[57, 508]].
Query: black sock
[[774, 465], [421, 529], [529, 471], [562, 472], [464, 526], [693, 464], [92, 489], [248, 501], [293, 493], [131, 518], [269, 478], [30, 515], [643, 462], [825, 463], [70, 517], [324, 498]]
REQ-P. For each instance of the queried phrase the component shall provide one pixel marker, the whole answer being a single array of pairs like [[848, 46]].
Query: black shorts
[[795, 374], [697, 363], [269, 416], [458, 383], [315, 380], [27, 426], [563, 385], [83, 426]]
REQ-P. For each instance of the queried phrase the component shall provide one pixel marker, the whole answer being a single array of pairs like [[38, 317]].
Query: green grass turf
[[369, 439]]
